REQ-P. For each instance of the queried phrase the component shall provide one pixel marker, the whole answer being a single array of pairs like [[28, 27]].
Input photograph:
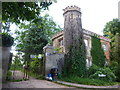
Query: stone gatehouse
[[73, 13]]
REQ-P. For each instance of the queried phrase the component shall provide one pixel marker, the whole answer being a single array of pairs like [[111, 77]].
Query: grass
[[16, 80], [87, 81], [37, 76], [9, 77], [74, 86]]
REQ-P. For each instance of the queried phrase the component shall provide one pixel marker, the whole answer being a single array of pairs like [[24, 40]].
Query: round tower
[[72, 27]]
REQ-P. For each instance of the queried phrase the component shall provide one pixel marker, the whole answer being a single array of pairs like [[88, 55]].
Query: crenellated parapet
[[85, 32], [71, 8]]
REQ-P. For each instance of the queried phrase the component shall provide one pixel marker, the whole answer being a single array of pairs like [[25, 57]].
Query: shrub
[[118, 73], [7, 40], [36, 65], [110, 76], [40, 77], [87, 81], [9, 76], [115, 67], [93, 69], [60, 76], [57, 49]]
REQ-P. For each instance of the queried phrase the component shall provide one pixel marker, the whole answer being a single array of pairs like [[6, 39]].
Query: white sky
[[95, 13]]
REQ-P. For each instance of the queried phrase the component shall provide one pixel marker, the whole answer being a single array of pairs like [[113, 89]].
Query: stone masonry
[[72, 27]]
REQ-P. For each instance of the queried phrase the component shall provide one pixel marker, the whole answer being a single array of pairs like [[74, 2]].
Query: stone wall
[[53, 59], [5, 60]]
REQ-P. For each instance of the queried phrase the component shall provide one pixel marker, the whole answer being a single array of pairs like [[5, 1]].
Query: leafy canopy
[[20, 11], [111, 28], [36, 34], [112, 31]]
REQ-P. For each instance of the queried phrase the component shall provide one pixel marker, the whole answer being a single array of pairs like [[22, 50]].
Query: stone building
[[73, 14]]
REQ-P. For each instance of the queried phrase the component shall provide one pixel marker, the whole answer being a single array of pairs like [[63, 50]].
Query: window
[[86, 42], [71, 16], [61, 42], [104, 47]]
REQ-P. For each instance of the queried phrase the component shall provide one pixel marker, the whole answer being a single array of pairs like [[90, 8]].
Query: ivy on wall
[[98, 57], [75, 62]]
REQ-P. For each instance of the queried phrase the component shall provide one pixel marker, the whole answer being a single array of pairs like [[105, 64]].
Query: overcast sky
[[95, 13]]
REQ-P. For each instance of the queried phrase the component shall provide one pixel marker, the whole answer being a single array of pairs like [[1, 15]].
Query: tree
[[110, 31], [116, 56], [31, 41], [111, 28], [45, 23], [17, 12], [16, 64], [35, 35], [97, 53], [116, 49]]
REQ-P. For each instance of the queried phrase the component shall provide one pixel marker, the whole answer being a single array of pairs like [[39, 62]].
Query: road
[[34, 83]]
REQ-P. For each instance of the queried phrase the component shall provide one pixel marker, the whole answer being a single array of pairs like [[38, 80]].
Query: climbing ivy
[[98, 57], [75, 62]]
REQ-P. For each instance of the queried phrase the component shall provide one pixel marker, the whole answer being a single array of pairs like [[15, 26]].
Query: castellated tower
[[72, 27]]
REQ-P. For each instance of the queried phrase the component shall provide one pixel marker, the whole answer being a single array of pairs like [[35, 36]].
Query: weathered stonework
[[72, 27], [52, 59], [5, 60], [72, 21]]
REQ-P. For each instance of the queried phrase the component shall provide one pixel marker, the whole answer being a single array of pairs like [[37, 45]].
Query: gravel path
[[33, 83]]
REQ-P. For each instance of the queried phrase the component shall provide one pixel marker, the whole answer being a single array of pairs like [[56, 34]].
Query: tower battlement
[[72, 8]]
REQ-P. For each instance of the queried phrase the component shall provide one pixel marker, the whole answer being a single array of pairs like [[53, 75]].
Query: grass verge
[[87, 81], [18, 80]]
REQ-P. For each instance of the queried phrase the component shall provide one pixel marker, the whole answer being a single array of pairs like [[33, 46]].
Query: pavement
[[116, 87], [33, 83]]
